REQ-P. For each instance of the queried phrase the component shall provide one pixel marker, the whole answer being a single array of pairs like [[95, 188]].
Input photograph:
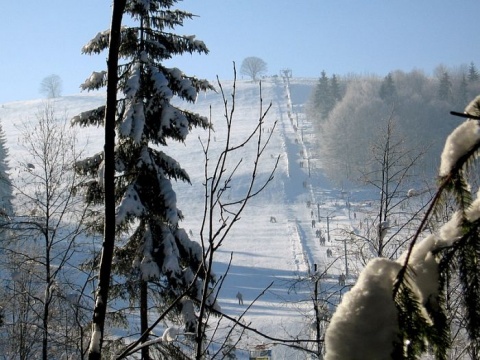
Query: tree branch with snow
[[397, 309]]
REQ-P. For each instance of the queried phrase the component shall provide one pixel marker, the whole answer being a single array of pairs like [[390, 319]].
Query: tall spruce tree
[[323, 99], [151, 250]]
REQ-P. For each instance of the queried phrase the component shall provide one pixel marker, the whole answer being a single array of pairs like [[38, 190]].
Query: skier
[[239, 296]]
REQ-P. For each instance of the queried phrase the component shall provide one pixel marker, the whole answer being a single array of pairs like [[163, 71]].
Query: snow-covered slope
[[275, 241]]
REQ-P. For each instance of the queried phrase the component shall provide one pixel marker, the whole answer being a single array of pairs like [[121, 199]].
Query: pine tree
[[154, 251], [323, 98], [462, 97], [445, 87], [473, 75], [335, 89], [387, 89], [5, 184]]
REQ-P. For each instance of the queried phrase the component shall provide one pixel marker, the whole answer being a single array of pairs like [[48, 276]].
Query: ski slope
[[274, 245]]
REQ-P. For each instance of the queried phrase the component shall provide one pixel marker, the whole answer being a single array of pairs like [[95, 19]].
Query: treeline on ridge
[[351, 115]]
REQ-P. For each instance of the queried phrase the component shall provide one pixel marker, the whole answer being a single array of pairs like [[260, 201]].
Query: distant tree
[[349, 127], [462, 93], [153, 254], [323, 100], [335, 88], [6, 209], [473, 75], [445, 87], [390, 172], [253, 66], [51, 86], [387, 89]]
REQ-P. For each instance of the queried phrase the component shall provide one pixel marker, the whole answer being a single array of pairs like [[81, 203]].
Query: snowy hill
[[275, 243]]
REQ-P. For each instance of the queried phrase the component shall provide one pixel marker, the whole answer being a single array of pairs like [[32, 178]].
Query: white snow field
[[275, 241]]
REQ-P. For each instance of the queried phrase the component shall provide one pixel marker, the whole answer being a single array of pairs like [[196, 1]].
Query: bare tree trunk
[[109, 154], [144, 318]]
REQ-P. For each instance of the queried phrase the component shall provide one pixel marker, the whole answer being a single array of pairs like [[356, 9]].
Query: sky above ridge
[[306, 36]]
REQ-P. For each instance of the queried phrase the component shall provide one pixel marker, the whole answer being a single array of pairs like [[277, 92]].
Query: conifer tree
[[387, 89], [335, 89], [323, 100], [472, 73], [5, 184], [445, 87], [154, 251]]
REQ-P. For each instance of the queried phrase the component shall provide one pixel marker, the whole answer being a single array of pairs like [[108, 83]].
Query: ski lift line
[[465, 115]]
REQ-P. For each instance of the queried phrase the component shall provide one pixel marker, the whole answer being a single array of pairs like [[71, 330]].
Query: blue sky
[[40, 38]]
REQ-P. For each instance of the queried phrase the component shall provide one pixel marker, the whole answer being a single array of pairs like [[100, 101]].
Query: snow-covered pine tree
[[151, 247]]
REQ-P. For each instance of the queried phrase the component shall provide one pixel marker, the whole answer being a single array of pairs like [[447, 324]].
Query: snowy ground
[[263, 252]]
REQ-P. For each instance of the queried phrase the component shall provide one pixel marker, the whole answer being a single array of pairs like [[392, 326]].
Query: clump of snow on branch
[[170, 334], [148, 266], [424, 265], [459, 142], [171, 255], [98, 43], [161, 83], [462, 139], [133, 82], [133, 121], [188, 313], [473, 108], [194, 248], [129, 205], [366, 320], [95, 342], [97, 80], [170, 200], [101, 175]]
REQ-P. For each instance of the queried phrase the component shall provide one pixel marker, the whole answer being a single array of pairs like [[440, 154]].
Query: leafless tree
[[391, 173], [219, 177], [253, 66], [51, 86], [45, 247]]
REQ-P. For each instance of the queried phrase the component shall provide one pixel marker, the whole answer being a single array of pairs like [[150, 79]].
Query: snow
[[464, 138], [170, 334], [129, 205], [459, 142], [274, 242], [260, 251], [148, 266], [95, 341], [366, 319], [473, 108], [95, 81]]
